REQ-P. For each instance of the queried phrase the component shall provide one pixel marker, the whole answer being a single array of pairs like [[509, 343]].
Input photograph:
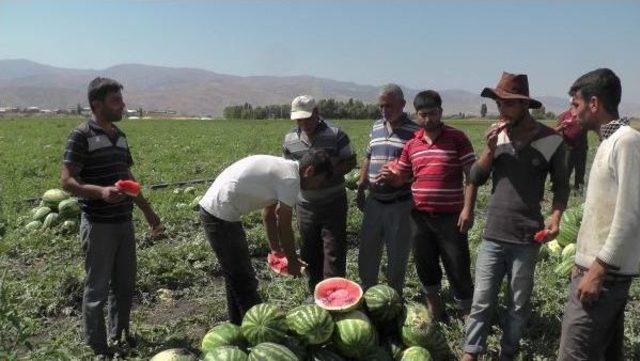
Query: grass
[[180, 294]]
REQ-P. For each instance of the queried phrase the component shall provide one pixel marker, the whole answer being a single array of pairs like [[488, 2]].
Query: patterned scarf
[[607, 129]]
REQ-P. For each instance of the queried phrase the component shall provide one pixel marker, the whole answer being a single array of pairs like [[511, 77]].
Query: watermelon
[[40, 213], [195, 203], [554, 247], [351, 179], [68, 226], [568, 234], [311, 323], [570, 225], [337, 294], [224, 334], [128, 187], [564, 268], [32, 226], [272, 352], [383, 302], [323, 354], [53, 197], [569, 251], [50, 220], [416, 353], [225, 353], [417, 328], [354, 335], [263, 323], [278, 262], [69, 208], [174, 354]]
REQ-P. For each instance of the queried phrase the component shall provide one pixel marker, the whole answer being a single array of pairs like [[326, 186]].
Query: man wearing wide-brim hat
[[519, 154]]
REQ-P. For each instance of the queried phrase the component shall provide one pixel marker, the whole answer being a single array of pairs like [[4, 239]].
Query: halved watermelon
[[278, 262], [338, 294], [128, 187]]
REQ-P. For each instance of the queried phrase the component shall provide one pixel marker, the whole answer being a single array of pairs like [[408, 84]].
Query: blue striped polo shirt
[[101, 160], [385, 146]]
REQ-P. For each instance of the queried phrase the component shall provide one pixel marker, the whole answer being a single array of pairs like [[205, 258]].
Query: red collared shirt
[[437, 170]]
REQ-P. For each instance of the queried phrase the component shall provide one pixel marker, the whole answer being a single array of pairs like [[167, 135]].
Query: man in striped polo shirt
[[387, 209], [439, 159], [96, 156], [321, 213]]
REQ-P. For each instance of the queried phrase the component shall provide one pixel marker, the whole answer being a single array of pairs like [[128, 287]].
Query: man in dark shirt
[[519, 154], [321, 213], [95, 158]]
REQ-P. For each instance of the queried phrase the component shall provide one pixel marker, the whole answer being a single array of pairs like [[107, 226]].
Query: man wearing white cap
[[321, 213]]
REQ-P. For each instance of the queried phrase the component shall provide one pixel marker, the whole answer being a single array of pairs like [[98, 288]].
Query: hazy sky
[[421, 44]]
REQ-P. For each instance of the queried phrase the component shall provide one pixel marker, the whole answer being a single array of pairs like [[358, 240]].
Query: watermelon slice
[[540, 235], [128, 187], [338, 294], [278, 263]]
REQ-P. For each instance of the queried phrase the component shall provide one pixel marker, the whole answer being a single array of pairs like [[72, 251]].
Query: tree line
[[336, 109], [329, 108]]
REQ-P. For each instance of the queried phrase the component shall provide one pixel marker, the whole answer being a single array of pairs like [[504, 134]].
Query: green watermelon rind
[[311, 323], [69, 208], [272, 352], [354, 334], [383, 302], [53, 197], [224, 334], [225, 353], [416, 353], [263, 323]]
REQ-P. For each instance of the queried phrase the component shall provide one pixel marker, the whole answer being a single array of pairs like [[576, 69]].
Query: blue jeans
[[495, 260]]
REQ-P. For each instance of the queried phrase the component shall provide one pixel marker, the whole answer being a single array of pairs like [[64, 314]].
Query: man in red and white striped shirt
[[439, 159]]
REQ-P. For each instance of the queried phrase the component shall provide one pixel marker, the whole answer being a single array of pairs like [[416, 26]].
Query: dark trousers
[[577, 162], [324, 238], [110, 266], [229, 243], [437, 236], [594, 332]]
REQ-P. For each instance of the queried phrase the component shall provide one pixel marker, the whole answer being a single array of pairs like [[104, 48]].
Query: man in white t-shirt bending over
[[259, 181]]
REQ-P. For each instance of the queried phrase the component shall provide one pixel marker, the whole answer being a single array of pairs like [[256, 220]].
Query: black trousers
[[229, 243], [437, 236], [577, 162], [323, 228]]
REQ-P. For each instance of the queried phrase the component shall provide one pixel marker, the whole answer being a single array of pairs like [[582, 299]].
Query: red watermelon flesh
[[540, 235], [278, 262], [337, 294], [128, 187]]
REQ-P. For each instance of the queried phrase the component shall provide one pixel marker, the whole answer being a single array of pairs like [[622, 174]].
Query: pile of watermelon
[[57, 210], [343, 324], [563, 248]]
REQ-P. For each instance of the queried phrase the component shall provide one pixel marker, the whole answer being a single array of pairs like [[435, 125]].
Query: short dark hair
[[427, 99], [602, 83], [320, 160], [100, 87]]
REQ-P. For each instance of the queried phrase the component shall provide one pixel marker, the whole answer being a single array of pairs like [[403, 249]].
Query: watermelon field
[[180, 294]]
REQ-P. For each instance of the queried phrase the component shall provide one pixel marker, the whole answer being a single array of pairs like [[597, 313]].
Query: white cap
[[302, 107]]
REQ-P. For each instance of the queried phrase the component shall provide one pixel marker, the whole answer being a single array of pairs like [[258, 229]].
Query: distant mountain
[[191, 91]]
